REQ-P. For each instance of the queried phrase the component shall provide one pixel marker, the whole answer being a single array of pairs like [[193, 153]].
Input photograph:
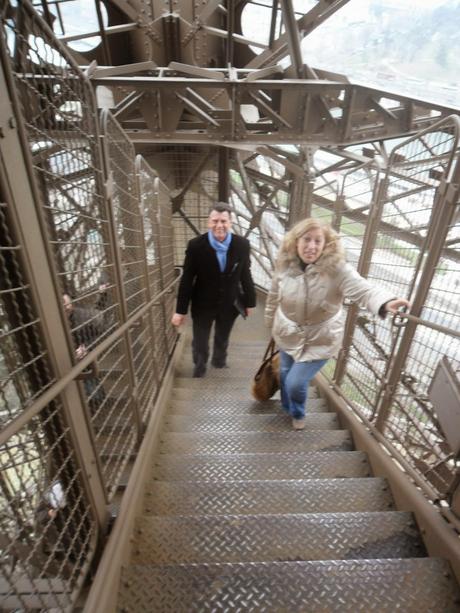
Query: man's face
[[219, 224]]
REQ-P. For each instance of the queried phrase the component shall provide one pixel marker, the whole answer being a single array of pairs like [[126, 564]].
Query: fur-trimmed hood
[[332, 256]]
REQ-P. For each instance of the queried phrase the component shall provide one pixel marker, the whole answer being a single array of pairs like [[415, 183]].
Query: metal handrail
[[16, 424], [426, 323]]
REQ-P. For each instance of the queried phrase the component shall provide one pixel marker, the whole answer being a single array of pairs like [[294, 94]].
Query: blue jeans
[[295, 379]]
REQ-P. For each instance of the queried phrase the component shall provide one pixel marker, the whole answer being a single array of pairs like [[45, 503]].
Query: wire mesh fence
[[48, 529], [64, 453], [49, 532], [157, 262], [406, 208]]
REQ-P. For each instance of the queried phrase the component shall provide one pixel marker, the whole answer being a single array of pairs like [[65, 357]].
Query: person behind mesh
[[304, 307], [87, 326], [105, 305]]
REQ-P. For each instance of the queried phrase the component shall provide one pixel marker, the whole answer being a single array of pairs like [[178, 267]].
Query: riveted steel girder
[[214, 109]]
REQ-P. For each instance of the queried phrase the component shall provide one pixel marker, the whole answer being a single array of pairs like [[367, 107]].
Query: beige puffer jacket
[[304, 308]]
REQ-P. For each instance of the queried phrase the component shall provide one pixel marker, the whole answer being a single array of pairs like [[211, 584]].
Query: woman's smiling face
[[310, 245]]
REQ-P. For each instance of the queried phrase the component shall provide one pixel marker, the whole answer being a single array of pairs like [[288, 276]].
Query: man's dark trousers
[[202, 323]]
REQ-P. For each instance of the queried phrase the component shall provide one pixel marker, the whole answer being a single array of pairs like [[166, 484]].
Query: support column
[[224, 190], [300, 201]]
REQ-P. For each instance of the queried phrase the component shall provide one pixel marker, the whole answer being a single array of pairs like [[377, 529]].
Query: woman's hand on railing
[[177, 319], [393, 306]]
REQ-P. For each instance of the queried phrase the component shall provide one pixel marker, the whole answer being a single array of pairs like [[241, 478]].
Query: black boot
[[199, 371]]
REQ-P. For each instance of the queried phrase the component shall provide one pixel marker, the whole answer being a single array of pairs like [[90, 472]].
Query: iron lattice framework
[[176, 87]]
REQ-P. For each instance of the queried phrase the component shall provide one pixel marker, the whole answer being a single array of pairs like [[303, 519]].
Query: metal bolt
[[12, 123]]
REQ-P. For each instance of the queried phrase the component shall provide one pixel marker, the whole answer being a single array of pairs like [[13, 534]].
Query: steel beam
[[292, 110], [306, 24]]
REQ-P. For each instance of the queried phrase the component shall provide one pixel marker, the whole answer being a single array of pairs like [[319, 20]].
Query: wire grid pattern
[[367, 354], [128, 221], [48, 533], [412, 422], [168, 272], [150, 211], [196, 173], [259, 193], [58, 117], [357, 191], [396, 263], [119, 154], [43, 500], [24, 362]]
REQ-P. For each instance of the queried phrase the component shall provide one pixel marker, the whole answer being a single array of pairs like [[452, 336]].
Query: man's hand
[[248, 312], [81, 351], [393, 306], [177, 319]]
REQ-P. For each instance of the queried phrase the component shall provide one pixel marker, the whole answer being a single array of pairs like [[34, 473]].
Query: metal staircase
[[244, 514]]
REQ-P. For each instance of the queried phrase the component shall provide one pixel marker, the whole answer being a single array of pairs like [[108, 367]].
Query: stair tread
[[253, 497], [244, 514], [246, 406], [319, 464], [335, 586], [241, 442], [246, 423], [216, 384], [271, 537], [214, 395]]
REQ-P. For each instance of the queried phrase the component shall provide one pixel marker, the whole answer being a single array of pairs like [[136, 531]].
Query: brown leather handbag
[[267, 379]]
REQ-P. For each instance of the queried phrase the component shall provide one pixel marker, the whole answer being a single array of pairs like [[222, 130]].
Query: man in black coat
[[217, 281]]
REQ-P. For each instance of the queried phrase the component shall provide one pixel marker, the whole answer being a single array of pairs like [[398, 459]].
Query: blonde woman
[[304, 307]]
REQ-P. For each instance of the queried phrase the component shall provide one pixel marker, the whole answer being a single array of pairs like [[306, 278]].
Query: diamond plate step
[[213, 395], [345, 586], [238, 350], [197, 406], [218, 394], [227, 380], [236, 366], [255, 442], [233, 383], [246, 423], [270, 538], [258, 466], [254, 497]]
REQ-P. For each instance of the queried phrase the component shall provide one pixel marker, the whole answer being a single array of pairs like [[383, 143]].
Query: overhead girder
[[215, 89], [217, 18], [301, 111], [189, 75]]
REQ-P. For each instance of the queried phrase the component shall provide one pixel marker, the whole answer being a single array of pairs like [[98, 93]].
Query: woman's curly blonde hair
[[288, 250]]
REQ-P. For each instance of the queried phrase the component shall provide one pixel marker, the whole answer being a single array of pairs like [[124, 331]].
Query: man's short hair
[[221, 207]]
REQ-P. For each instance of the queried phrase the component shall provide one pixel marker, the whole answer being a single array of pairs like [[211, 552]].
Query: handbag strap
[[270, 350]]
